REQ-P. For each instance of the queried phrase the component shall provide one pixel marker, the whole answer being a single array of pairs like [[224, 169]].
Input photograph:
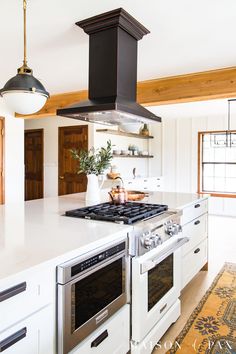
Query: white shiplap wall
[[14, 156], [180, 154]]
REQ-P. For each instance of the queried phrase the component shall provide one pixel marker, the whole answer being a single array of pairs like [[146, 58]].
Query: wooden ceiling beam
[[207, 85]]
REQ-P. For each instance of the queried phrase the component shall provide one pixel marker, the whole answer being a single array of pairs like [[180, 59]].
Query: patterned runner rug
[[211, 328]]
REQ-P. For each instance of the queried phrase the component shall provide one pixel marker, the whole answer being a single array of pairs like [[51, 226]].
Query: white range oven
[[156, 279]]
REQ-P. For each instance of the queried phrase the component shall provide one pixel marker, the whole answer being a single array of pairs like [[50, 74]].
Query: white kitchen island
[[35, 237]]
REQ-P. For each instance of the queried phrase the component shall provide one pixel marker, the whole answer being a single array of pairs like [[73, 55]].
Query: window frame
[[200, 177]]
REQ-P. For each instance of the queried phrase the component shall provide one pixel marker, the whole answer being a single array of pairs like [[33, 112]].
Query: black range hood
[[113, 39]]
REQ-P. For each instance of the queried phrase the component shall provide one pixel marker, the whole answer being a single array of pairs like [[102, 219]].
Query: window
[[217, 163]]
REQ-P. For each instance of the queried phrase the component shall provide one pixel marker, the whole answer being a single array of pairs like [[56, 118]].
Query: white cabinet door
[[34, 335], [193, 262], [24, 294], [111, 338]]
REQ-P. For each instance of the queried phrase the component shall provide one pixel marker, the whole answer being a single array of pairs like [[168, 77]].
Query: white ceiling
[[186, 36]]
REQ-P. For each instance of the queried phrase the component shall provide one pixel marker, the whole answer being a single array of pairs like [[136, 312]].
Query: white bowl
[[130, 127], [116, 152]]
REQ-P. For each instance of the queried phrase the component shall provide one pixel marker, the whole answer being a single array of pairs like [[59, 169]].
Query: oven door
[[156, 284], [87, 301]]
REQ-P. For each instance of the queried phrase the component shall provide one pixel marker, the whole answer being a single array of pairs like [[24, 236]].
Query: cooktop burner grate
[[127, 213]]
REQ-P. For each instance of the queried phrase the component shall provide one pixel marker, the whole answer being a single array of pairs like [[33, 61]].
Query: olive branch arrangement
[[93, 161]]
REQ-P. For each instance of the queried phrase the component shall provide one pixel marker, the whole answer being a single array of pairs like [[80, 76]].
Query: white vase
[[93, 190]]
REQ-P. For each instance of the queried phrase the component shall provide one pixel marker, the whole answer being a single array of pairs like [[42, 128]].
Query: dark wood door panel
[[75, 137], [33, 164]]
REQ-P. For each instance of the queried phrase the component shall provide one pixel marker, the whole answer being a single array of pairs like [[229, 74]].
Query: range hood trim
[[115, 18], [132, 110]]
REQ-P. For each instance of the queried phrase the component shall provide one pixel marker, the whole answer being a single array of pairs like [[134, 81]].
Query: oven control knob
[[172, 228], [147, 243], [157, 240]]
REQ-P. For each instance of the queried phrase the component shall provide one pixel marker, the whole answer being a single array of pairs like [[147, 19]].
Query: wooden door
[[1, 160], [75, 137], [33, 164]]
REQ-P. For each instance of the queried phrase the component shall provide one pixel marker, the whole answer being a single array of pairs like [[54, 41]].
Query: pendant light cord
[[25, 52]]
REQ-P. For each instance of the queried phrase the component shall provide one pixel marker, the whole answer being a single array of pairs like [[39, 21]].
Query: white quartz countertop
[[174, 200], [36, 232]]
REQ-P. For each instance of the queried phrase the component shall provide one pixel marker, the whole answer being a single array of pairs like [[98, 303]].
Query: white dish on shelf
[[130, 127], [116, 152], [125, 152], [144, 153]]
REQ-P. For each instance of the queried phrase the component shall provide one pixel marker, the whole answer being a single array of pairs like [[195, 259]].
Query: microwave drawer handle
[[148, 265], [11, 340], [99, 339], [8, 293], [197, 206]]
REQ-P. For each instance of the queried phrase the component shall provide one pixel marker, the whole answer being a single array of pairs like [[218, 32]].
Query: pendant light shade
[[23, 93]]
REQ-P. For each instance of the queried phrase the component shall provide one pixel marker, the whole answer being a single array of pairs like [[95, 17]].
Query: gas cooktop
[[127, 213]]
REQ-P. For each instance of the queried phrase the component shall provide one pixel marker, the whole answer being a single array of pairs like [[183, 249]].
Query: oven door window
[[94, 292], [160, 281]]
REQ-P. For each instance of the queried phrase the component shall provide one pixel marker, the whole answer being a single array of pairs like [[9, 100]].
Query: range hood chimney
[[113, 40]]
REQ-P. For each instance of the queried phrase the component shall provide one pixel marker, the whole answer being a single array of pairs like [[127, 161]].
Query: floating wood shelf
[[118, 132], [135, 157]]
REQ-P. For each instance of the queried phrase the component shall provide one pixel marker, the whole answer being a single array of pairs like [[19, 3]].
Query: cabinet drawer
[[34, 335], [24, 294], [194, 210], [193, 262], [196, 231], [106, 338], [144, 184], [132, 185]]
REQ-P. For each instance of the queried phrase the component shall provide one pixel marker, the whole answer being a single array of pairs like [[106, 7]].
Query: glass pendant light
[[227, 138], [23, 93]]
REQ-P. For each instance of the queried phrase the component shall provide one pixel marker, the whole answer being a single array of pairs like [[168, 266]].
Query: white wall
[[14, 156], [180, 127], [144, 167]]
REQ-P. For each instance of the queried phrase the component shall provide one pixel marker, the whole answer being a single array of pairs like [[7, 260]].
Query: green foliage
[[93, 161]]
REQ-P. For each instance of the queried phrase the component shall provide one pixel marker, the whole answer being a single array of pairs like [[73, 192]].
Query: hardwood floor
[[222, 248]]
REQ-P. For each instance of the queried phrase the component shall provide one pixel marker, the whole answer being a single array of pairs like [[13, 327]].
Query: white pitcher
[[93, 189]]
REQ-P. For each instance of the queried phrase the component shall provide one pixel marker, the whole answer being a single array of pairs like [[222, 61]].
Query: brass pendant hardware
[[24, 69]]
